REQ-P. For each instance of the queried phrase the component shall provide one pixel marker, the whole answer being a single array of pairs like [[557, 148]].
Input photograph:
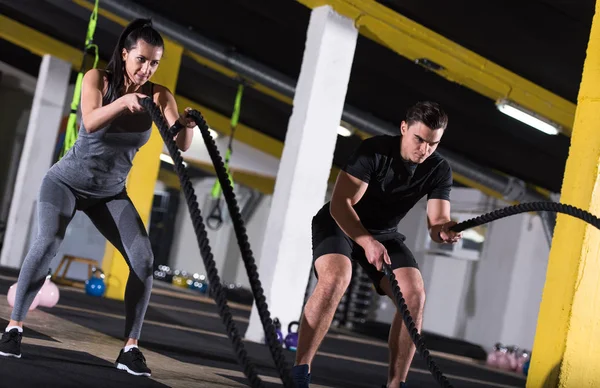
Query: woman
[[91, 178]]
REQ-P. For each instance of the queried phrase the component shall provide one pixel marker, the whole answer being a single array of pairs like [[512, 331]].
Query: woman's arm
[[94, 115], [166, 101]]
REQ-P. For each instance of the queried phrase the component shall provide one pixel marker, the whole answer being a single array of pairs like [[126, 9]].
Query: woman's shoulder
[[97, 77], [97, 74]]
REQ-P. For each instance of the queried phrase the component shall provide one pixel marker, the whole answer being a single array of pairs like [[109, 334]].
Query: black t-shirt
[[395, 185]]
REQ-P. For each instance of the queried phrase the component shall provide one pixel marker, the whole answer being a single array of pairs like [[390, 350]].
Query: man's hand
[[376, 254], [448, 236]]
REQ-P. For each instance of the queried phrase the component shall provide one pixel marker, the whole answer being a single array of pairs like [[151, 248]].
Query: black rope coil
[[246, 251], [203, 243], [240, 231], [528, 207], [412, 329]]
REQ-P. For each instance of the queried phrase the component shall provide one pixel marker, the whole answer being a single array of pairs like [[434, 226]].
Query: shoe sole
[[126, 369], [9, 355]]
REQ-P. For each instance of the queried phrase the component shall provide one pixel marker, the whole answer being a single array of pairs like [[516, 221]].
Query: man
[[382, 181]]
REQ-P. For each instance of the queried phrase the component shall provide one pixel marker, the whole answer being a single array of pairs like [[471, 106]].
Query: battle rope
[[412, 329], [213, 277], [201, 235], [246, 251], [468, 224]]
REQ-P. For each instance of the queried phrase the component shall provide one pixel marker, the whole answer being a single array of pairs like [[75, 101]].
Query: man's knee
[[411, 286], [334, 274], [415, 299]]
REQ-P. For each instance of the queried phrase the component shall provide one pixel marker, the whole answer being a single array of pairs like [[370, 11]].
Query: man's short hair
[[429, 113]]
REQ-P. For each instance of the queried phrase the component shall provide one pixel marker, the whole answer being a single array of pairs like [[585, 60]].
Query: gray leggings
[[116, 218]]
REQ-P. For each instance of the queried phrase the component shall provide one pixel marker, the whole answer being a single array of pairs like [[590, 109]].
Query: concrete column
[[36, 157], [567, 341], [305, 166]]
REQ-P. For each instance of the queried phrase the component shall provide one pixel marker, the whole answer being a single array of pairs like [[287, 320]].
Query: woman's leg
[[55, 208], [120, 223]]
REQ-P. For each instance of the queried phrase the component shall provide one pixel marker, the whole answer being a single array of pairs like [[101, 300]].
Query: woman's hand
[[131, 102], [186, 120]]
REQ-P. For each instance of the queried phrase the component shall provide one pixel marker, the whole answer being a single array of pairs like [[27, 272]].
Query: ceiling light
[[343, 131], [517, 112]]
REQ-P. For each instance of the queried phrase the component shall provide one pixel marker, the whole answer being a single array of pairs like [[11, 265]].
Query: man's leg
[[334, 274], [402, 349]]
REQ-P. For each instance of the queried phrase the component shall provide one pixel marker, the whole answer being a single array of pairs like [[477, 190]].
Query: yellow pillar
[[143, 176], [566, 350]]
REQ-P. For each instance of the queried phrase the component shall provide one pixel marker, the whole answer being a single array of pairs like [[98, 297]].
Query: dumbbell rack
[[355, 305]]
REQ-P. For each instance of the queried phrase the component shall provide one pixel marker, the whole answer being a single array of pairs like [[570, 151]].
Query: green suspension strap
[[215, 218], [71, 130]]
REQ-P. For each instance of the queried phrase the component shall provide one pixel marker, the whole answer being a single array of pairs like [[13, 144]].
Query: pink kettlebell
[[492, 357], [513, 357], [503, 360], [10, 296], [49, 294]]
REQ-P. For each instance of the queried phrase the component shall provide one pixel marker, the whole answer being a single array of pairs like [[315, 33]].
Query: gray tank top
[[98, 163]]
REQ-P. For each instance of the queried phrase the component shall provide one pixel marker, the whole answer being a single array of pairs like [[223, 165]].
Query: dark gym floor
[[75, 343]]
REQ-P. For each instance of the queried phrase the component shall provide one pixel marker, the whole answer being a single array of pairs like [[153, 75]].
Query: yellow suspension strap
[[215, 218], [71, 130]]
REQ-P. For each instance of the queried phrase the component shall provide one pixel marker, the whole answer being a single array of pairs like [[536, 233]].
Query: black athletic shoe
[[300, 376], [133, 362], [10, 344]]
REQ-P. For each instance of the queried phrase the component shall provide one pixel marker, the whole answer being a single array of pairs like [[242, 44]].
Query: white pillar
[[305, 166], [447, 283], [36, 157]]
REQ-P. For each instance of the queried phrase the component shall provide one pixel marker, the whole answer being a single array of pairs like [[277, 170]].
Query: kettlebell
[[95, 286], [277, 325], [291, 339]]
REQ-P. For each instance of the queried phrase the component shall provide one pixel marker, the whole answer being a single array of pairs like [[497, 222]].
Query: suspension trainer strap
[[71, 130], [215, 218]]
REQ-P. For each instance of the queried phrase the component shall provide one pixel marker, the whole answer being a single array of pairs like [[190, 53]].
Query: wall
[[16, 96], [527, 283]]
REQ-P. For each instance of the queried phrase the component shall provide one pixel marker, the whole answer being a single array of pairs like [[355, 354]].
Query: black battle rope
[[246, 251], [468, 224], [203, 243]]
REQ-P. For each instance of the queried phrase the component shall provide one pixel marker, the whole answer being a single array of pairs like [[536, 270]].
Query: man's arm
[[438, 209], [347, 192], [439, 221]]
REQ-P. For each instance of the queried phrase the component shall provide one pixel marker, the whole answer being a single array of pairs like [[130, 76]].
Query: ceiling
[[541, 40]]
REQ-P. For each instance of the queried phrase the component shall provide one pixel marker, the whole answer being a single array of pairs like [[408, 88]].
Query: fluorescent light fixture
[[517, 112], [166, 158], [343, 131]]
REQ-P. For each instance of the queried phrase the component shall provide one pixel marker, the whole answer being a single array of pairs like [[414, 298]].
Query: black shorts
[[327, 238]]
